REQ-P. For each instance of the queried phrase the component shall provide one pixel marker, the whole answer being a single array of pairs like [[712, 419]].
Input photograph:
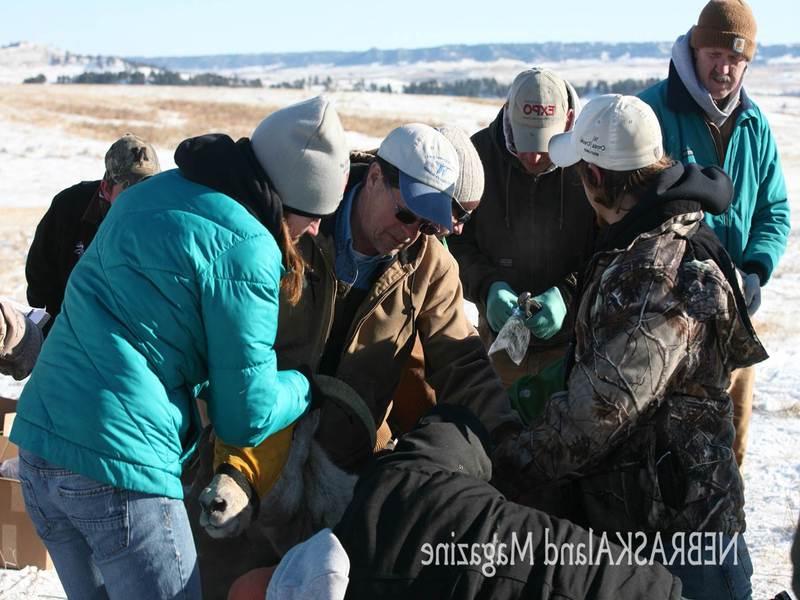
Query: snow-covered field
[[40, 155]]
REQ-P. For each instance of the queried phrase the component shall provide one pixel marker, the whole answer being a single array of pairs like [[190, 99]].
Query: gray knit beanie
[[302, 148], [469, 187]]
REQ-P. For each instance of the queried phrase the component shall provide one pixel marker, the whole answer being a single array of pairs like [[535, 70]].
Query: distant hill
[[527, 53], [372, 69], [22, 60], [35, 63]]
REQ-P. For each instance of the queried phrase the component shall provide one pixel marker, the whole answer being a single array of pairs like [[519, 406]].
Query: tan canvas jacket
[[418, 293]]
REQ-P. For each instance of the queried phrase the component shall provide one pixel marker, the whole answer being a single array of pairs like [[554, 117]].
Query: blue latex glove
[[546, 322], [500, 303]]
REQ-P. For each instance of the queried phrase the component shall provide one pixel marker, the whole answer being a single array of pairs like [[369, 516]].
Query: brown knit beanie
[[726, 24]]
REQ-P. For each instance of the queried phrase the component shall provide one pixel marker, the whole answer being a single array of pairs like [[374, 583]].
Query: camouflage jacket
[[645, 429]]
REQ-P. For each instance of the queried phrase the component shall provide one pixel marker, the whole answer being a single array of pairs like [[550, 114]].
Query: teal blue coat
[[755, 229], [178, 291]]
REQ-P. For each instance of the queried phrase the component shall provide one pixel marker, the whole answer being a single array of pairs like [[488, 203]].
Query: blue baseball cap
[[428, 165]]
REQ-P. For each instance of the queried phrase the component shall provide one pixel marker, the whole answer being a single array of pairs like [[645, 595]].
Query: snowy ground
[[37, 159]]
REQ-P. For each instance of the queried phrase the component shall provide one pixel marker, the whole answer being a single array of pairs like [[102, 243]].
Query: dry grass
[[164, 122], [162, 115], [498, 102], [105, 114], [376, 127]]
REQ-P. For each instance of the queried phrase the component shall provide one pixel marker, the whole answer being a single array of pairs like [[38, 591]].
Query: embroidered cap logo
[[541, 110]]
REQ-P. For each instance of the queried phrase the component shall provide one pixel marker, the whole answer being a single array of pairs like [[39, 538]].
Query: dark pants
[[722, 581]]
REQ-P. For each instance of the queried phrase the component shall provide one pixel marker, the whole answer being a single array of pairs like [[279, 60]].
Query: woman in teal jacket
[[177, 294]]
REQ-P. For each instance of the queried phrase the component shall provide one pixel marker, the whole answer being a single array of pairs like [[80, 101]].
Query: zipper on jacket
[[325, 332], [407, 270], [716, 138]]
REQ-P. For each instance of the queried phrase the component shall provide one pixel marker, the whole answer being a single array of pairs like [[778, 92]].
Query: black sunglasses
[[406, 217], [460, 214]]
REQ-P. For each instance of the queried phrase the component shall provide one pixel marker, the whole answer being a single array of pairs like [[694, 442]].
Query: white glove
[[227, 511], [751, 288], [20, 341]]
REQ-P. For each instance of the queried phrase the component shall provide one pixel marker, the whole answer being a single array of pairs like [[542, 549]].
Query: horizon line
[[18, 43]]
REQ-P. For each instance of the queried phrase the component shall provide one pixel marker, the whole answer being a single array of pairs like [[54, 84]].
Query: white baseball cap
[[618, 133], [428, 165]]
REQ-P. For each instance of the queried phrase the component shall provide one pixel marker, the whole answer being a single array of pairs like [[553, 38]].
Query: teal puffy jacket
[[755, 229], [178, 291]]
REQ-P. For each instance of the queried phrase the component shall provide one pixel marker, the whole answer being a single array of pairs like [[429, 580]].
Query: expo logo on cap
[[540, 110]]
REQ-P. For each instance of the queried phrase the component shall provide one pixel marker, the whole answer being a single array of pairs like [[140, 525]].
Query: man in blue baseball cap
[[382, 278], [427, 166], [407, 191]]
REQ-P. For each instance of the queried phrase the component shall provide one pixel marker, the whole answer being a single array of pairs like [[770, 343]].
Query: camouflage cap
[[130, 159]]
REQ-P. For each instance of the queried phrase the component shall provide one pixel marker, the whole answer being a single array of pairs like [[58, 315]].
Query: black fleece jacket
[[61, 238], [532, 232], [433, 489]]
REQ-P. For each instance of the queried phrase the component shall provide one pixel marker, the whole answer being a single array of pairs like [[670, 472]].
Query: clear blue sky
[[184, 27]]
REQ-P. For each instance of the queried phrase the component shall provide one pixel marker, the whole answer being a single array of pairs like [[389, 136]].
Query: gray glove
[[752, 293], [20, 342], [227, 509], [751, 289]]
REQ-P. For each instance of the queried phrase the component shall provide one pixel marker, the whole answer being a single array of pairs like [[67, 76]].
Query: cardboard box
[[20, 546]]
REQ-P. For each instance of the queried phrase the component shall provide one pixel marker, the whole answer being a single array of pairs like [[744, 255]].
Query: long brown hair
[[292, 282]]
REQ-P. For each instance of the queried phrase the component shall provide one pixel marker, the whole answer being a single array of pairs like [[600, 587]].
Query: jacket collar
[[97, 209], [497, 129], [327, 237], [677, 190], [231, 168], [679, 99]]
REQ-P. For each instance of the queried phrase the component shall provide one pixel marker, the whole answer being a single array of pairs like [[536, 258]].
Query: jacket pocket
[[671, 480], [40, 521], [99, 512]]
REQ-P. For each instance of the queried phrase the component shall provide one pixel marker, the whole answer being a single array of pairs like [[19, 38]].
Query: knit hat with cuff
[[726, 24], [303, 150]]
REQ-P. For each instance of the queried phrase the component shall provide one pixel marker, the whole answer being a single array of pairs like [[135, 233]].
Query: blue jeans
[[722, 581], [108, 542]]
